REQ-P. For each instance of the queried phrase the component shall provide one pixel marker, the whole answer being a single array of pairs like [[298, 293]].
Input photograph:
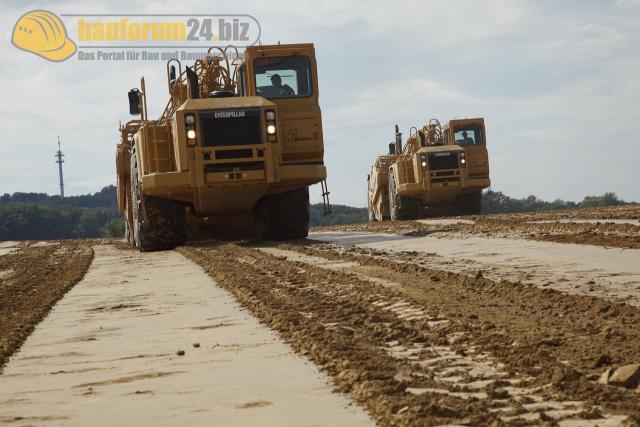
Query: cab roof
[[278, 49], [456, 122]]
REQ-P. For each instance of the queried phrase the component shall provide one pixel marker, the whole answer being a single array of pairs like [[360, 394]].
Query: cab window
[[468, 135], [283, 77]]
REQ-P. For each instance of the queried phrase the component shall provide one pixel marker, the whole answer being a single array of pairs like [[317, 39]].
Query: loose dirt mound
[[630, 212], [33, 278]]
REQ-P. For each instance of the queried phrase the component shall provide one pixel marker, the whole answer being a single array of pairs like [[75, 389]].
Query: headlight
[[423, 157], [271, 130], [191, 134], [423, 161], [189, 119], [270, 115]]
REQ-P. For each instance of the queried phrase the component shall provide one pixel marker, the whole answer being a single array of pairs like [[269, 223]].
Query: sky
[[556, 81]]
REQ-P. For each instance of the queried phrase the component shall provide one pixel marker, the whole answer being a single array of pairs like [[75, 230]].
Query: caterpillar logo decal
[[228, 114], [43, 33]]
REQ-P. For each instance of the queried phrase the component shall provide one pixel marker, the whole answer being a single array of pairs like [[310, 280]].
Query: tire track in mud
[[590, 326], [408, 360]]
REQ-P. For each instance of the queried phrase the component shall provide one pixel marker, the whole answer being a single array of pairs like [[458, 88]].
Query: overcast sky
[[556, 81]]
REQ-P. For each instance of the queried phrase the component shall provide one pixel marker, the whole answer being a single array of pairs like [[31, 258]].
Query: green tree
[[607, 199], [114, 228]]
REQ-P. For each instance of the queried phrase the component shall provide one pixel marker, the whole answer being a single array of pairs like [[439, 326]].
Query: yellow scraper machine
[[440, 171], [240, 134]]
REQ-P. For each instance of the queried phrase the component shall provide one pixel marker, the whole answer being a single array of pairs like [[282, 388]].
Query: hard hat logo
[[43, 33]]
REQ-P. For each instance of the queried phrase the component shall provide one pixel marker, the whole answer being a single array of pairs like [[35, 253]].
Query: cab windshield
[[283, 77], [468, 135]]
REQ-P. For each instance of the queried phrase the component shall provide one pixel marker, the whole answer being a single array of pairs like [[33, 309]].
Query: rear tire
[[283, 216], [158, 224], [401, 207]]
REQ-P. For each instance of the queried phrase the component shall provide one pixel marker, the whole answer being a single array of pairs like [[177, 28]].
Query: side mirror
[[172, 74], [134, 102]]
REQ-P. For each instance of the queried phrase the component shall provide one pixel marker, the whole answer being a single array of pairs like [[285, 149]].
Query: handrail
[[212, 75]]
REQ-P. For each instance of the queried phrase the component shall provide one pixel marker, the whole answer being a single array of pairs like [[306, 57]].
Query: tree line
[[38, 216], [497, 202]]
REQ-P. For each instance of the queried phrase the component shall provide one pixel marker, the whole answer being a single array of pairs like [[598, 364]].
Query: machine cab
[[287, 76], [470, 135]]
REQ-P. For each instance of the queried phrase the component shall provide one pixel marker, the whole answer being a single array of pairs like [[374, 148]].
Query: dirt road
[[475, 321], [149, 339]]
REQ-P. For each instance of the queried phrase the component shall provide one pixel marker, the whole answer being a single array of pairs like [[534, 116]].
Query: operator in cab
[[279, 88], [466, 140]]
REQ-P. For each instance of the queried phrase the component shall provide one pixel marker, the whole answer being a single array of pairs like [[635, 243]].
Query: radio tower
[[59, 155]]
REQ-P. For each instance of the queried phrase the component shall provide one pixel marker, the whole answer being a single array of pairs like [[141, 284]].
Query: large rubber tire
[[128, 233], [468, 204], [401, 207], [283, 216], [158, 224], [372, 216], [128, 215]]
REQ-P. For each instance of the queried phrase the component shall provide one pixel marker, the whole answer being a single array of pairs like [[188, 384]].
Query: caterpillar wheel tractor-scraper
[[239, 136], [440, 171]]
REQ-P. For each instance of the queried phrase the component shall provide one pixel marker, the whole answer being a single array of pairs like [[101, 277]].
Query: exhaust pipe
[[192, 84], [398, 141]]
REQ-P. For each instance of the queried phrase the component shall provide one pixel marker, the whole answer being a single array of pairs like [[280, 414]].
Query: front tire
[[283, 216], [401, 207], [157, 224], [128, 215]]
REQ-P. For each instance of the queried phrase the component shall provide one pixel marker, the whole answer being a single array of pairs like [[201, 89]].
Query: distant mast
[[59, 155]]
